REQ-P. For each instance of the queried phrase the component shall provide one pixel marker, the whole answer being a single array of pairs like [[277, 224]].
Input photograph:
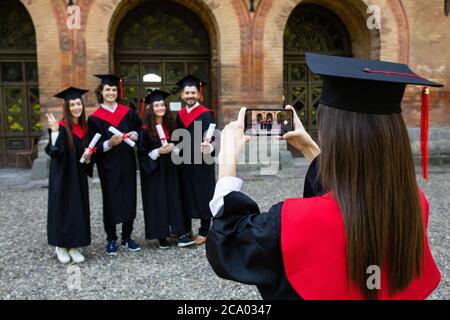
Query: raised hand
[[52, 122]]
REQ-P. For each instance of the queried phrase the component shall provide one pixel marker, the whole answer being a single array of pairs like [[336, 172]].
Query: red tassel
[[424, 131], [201, 92], [121, 89], [142, 108]]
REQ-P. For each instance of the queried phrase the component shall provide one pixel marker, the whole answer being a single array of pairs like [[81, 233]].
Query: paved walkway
[[29, 269]]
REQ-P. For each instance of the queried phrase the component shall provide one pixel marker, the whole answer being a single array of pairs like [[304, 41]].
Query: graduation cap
[[111, 80], [190, 81], [71, 93], [155, 95], [370, 86]]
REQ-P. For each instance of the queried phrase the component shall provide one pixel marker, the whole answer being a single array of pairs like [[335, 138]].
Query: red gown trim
[[77, 129], [113, 118], [188, 118]]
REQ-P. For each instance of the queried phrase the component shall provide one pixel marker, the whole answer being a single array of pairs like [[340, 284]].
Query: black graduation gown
[[116, 169], [244, 245], [198, 180], [161, 194], [312, 186], [68, 224]]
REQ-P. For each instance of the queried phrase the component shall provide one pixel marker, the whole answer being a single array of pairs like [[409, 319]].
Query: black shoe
[[164, 244], [185, 241], [111, 248], [131, 245]]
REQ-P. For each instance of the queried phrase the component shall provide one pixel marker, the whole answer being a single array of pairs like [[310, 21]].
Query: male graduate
[[198, 179], [116, 161]]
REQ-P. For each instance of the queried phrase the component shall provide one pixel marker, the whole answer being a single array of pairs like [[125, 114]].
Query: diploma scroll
[[162, 135], [91, 148], [210, 132], [128, 141]]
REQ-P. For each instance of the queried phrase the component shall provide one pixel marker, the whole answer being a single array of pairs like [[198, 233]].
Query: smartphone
[[268, 122]]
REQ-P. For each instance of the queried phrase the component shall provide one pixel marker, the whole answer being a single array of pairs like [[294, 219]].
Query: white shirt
[[189, 109], [224, 186]]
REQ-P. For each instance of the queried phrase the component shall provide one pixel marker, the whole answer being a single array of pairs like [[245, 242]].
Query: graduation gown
[[161, 193], [198, 180], [117, 166], [296, 250], [312, 186], [68, 224]]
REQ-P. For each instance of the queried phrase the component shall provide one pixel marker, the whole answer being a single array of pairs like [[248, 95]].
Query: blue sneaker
[[111, 248], [131, 245]]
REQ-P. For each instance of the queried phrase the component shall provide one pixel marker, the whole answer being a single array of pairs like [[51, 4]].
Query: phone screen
[[268, 122]]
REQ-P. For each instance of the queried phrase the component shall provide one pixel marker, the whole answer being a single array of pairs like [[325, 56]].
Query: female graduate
[[365, 237], [68, 226], [161, 193], [116, 162]]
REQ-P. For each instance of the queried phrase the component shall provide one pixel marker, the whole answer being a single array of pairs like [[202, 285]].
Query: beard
[[189, 103]]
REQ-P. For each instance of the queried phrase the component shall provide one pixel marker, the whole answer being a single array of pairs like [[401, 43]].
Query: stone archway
[[156, 44], [105, 17], [310, 28], [391, 43]]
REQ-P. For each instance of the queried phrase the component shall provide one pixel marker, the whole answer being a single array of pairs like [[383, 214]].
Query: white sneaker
[[76, 255], [63, 255]]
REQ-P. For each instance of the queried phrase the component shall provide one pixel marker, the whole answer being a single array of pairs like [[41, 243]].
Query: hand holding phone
[[300, 138]]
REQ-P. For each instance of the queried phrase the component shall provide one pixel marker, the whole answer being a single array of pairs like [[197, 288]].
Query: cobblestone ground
[[29, 269]]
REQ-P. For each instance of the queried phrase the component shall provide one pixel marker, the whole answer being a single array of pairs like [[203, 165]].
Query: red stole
[[113, 118], [77, 129], [313, 243], [188, 118], [166, 132]]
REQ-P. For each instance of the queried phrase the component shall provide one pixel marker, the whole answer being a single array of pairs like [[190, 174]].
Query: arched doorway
[[20, 125], [310, 28], [157, 43]]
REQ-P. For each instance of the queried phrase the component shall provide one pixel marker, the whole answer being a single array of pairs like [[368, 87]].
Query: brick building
[[250, 52]]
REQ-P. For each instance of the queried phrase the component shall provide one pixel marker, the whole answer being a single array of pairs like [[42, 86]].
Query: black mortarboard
[[109, 79], [155, 95], [370, 86], [71, 93], [190, 80], [365, 86]]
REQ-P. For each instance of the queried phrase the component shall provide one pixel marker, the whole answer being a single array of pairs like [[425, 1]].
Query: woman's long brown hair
[[366, 162], [150, 122], [67, 116]]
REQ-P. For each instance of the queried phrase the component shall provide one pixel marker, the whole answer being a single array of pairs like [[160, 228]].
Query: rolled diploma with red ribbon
[[210, 132], [92, 145], [128, 141], [162, 135]]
